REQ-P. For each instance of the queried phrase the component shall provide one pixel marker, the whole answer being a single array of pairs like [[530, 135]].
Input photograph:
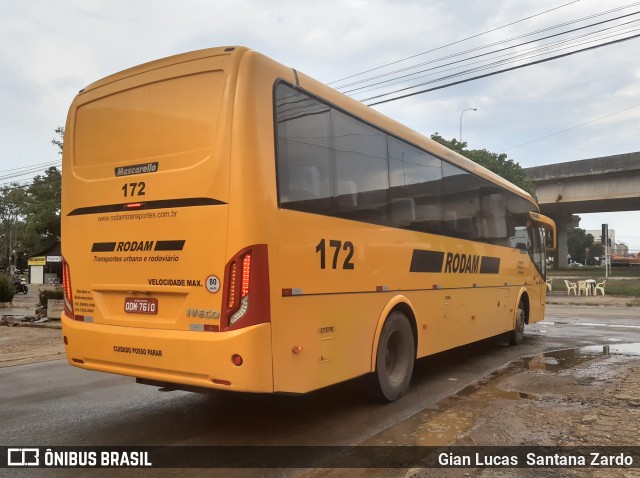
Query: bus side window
[[304, 183], [415, 180], [304, 156], [361, 169], [403, 212], [347, 197]]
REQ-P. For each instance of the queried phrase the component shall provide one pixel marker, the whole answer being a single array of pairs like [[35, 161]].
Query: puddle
[[566, 359], [489, 392], [427, 428], [458, 414]]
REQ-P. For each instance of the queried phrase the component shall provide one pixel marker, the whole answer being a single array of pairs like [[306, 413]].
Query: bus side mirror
[[549, 228], [550, 239]]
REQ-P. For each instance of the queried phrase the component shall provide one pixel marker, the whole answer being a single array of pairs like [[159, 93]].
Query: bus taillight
[[246, 274], [68, 291], [246, 289], [231, 282]]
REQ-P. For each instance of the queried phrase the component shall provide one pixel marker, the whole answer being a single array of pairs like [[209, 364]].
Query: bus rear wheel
[[517, 334], [395, 357]]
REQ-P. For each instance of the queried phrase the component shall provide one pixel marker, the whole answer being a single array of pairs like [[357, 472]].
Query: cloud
[[49, 50]]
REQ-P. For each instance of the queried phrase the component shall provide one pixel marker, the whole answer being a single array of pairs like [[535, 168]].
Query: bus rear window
[[159, 119]]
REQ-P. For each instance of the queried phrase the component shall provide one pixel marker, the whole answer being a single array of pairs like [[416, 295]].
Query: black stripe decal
[[103, 247], [145, 206], [426, 261], [490, 265], [434, 261], [169, 245]]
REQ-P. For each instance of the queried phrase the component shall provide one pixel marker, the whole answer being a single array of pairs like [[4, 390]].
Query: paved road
[[51, 403]]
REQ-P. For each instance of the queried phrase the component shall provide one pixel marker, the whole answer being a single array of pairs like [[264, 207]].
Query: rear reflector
[[237, 360]]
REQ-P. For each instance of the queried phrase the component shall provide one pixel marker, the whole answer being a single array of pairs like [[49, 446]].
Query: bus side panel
[[330, 308], [333, 300], [323, 340]]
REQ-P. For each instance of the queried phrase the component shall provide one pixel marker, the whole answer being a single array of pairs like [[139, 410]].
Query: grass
[[617, 287], [624, 287], [623, 281], [594, 272]]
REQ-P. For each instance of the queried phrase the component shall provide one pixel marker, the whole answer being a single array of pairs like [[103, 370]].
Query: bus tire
[[517, 334], [395, 357]]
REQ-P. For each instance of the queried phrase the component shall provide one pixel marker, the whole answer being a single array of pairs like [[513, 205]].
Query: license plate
[[137, 305]]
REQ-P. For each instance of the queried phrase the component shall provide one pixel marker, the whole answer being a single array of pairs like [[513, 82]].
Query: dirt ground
[[582, 397], [568, 398], [19, 345], [579, 397]]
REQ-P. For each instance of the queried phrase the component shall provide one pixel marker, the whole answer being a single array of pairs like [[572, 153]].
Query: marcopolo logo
[[136, 169]]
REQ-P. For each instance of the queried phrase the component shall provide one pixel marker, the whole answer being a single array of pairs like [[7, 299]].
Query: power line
[[10, 186], [588, 17], [44, 164], [571, 128], [453, 43], [504, 70], [368, 87], [30, 170], [543, 50]]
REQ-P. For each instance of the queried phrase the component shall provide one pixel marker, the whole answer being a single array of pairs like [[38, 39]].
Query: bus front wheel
[[395, 357], [517, 334]]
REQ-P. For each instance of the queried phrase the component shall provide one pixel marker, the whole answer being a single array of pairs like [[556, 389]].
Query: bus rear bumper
[[192, 358]]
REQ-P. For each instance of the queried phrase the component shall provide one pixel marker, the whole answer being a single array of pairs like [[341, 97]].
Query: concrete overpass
[[609, 183]]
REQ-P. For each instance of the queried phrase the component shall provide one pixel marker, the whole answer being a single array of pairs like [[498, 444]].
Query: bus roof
[[165, 62], [331, 95]]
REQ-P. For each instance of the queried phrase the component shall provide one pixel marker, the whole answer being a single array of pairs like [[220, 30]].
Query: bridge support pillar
[[563, 223]]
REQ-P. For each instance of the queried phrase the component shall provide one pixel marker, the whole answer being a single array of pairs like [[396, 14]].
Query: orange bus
[[230, 223]]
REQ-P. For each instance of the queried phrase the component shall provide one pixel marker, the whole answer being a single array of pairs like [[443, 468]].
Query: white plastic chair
[[571, 286], [549, 283], [600, 287], [584, 287]]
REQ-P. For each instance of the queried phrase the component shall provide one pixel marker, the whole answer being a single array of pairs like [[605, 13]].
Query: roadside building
[[45, 267]]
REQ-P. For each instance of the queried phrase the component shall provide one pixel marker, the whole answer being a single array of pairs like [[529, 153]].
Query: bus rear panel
[[152, 288]]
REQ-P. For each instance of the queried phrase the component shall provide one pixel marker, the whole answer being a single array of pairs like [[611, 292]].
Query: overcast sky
[[50, 50]]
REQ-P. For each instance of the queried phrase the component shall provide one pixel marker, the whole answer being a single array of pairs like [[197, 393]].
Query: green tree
[[30, 216], [13, 199], [43, 209], [41, 206], [577, 242], [59, 142], [497, 163], [6, 289]]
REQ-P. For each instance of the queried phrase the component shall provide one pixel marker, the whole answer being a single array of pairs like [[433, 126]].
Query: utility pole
[[605, 242]]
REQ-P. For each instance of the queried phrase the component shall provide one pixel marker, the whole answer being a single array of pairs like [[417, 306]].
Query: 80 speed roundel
[[212, 284]]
